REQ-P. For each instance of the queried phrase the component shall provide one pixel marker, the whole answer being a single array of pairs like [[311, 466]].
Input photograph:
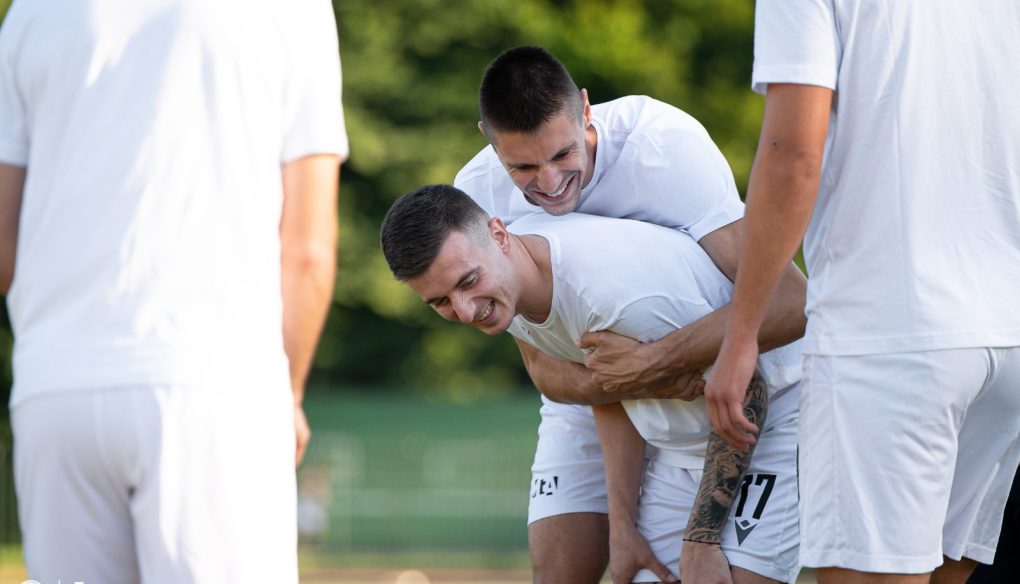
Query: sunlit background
[[424, 431]]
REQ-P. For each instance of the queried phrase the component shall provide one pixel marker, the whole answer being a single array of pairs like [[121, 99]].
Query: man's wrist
[[622, 520], [706, 541]]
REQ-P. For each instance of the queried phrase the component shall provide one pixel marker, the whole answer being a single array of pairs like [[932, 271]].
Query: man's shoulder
[[481, 165], [594, 233], [485, 180], [643, 116]]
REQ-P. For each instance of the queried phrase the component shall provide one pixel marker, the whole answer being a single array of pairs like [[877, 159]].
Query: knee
[[953, 571]]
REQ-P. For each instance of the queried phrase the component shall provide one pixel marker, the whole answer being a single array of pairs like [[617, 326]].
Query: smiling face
[[472, 281], [552, 164]]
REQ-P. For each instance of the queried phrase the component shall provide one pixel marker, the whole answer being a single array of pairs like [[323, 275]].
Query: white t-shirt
[[915, 239], [643, 281], [154, 132], [653, 163]]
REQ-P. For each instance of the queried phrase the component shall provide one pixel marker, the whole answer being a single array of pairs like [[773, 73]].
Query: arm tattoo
[[724, 467]]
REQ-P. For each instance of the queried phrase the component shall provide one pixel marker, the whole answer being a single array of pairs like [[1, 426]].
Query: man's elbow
[[796, 172], [309, 258], [563, 397], [787, 308]]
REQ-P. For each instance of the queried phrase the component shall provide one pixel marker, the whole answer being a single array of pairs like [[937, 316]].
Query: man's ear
[[481, 128], [499, 234], [586, 110]]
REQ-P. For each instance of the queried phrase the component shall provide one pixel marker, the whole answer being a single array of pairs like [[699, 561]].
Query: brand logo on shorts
[[542, 487], [763, 484], [744, 529]]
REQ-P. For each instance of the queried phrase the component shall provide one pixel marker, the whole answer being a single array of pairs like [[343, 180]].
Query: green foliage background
[[411, 73]]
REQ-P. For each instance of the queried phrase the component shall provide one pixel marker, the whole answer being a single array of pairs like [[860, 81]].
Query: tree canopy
[[411, 73]]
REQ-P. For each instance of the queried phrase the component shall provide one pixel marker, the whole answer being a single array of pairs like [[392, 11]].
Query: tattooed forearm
[[724, 467]]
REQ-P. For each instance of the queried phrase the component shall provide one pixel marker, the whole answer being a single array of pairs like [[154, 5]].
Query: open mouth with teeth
[[559, 192], [486, 312], [555, 197]]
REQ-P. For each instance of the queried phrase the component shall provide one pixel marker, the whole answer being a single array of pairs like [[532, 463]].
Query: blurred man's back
[[157, 136]]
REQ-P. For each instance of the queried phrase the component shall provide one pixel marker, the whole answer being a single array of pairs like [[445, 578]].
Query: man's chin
[[560, 209], [496, 329], [555, 207]]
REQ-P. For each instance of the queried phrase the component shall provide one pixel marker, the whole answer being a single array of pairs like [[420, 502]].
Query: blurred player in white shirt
[[168, 183]]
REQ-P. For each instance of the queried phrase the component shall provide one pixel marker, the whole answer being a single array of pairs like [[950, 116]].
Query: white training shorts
[[568, 475], [906, 457], [163, 485], [761, 534]]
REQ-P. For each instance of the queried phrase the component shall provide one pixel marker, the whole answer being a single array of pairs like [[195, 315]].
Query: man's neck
[[533, 263], [591, 145]]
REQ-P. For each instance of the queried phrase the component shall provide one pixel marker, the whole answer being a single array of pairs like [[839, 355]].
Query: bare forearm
[[696, 345], [562, 381], [308, 236], [623, 454], [781, 195], [724, 467], [308, 279], [773, 237], [572, 385], [626, 368]]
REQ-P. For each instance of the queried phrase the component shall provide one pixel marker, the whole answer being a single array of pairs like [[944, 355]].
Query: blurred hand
[[726, 392], [704, 563], [302, 434], [624, 366], [629, 553]]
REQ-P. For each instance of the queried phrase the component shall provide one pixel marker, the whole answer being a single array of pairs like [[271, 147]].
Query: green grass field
[[401, 489], [390, 472]]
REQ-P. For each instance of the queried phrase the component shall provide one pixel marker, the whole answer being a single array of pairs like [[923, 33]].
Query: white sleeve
[[710, 197], [795, 41], [13, 127], [685, 184], [314, 114], [475, 179]]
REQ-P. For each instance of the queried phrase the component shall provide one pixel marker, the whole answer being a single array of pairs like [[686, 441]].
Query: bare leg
[[843, 576], [953, 571], [572, 548], [742, 576]]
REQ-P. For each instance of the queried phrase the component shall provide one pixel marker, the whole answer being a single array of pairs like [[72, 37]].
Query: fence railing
[[388, 472]]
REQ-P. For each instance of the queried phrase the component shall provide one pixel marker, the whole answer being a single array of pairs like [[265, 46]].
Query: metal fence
[[390, 472]]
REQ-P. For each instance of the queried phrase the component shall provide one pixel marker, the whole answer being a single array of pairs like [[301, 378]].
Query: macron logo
[[744, 529]]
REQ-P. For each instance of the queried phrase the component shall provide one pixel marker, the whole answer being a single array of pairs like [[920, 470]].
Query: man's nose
[[463, 309], [548, 178]]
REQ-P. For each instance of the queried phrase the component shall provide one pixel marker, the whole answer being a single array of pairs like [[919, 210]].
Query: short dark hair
[[523, 88], [418, 223]]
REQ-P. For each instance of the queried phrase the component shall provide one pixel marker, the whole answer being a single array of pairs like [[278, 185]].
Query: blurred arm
[[308, 238], [12, 186]]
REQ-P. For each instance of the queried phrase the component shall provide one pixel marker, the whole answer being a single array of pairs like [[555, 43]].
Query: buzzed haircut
[[523, 88], [417, 224]]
